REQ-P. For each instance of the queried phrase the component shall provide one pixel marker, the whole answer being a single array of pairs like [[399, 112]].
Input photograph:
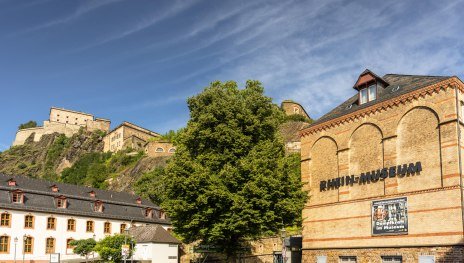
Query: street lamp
[[24, 242], [126, 232], [131, 248], [93, 252], [283, 235], [15, 241]]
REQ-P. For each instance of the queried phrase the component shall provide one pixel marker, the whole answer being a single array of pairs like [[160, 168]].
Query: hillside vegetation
[[78, 160]]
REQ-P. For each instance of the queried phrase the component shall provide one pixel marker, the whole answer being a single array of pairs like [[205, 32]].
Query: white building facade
[[154, 244], [39, 218]]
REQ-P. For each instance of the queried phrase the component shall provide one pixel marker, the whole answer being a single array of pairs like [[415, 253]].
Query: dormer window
[[162, 214], [98, 206], [54, 188], [149, 212], [92, 194], [138, 200], [11, 182], [17, 197], [368, 94], [367, 85], [61, 202]]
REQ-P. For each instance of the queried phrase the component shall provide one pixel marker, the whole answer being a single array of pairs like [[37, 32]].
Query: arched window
[[71, 225], [51, 223], [159, 150], [28, 221], [49, 245], [89, 226], [172, 150], [4, 244], [28, 244], [5, 219], [107, 228], [68, 243], [122, 228]]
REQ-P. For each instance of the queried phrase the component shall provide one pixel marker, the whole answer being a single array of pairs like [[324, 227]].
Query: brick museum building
[[384, 173]]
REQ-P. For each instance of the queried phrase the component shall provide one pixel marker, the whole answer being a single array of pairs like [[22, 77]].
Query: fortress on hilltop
[[125, 136], [67, 122], [291, 107]]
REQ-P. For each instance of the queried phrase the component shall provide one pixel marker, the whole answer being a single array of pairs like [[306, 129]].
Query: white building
[[154, 244], [38, 218]]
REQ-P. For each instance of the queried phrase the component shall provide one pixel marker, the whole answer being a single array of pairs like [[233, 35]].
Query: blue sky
[[139, 60]]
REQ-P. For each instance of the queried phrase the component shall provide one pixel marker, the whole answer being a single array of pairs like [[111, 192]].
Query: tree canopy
[[230, 179], [29, 124], [151, 185], [83, 247], [109, 248]]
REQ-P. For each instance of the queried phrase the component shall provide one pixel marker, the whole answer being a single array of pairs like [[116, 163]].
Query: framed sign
[[55, 258], [125, 251], [390, 217]]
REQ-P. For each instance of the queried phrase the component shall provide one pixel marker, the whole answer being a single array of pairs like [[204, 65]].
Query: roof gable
[[397, 85], [368, 77]]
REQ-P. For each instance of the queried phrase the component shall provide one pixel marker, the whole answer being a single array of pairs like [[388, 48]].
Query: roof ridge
[[412, 75], [69, 184]]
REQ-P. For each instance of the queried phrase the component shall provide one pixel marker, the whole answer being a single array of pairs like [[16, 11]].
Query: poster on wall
[[390, 217]]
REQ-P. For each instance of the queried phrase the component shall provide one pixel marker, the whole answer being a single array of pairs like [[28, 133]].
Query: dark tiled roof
[[39, 197], [152, 234], [406, 84]]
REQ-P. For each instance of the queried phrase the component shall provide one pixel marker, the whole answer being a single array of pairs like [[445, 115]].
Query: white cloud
[[176, 8], [83, 9], [321, 53]]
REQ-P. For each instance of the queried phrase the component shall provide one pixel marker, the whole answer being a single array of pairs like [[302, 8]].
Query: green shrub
[[54, 152], [29, 124], [297, 117]]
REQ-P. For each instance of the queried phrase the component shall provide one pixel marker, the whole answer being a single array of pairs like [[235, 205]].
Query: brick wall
[[444, 254], [417, 128]]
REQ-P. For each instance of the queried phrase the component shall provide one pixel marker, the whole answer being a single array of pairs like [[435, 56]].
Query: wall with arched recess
[[419, 140], [323, 166], [365, 155]]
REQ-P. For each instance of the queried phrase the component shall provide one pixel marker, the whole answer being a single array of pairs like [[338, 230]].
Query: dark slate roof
[[39, 197], [152, 234], [398, 85]]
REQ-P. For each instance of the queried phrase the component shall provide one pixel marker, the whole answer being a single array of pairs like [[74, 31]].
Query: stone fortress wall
[[159, 148], [127, 135], [67, 122], [131, 136], [290, 131], [290, 108]]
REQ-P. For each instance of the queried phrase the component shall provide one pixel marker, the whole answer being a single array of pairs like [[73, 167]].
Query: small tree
[[83, 247], [29, 124], [109, 248]]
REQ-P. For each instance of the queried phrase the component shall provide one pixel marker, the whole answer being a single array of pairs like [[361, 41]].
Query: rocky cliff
[[78, 159]]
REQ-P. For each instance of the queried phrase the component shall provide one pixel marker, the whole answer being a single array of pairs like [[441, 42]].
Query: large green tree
[[230, 179]]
